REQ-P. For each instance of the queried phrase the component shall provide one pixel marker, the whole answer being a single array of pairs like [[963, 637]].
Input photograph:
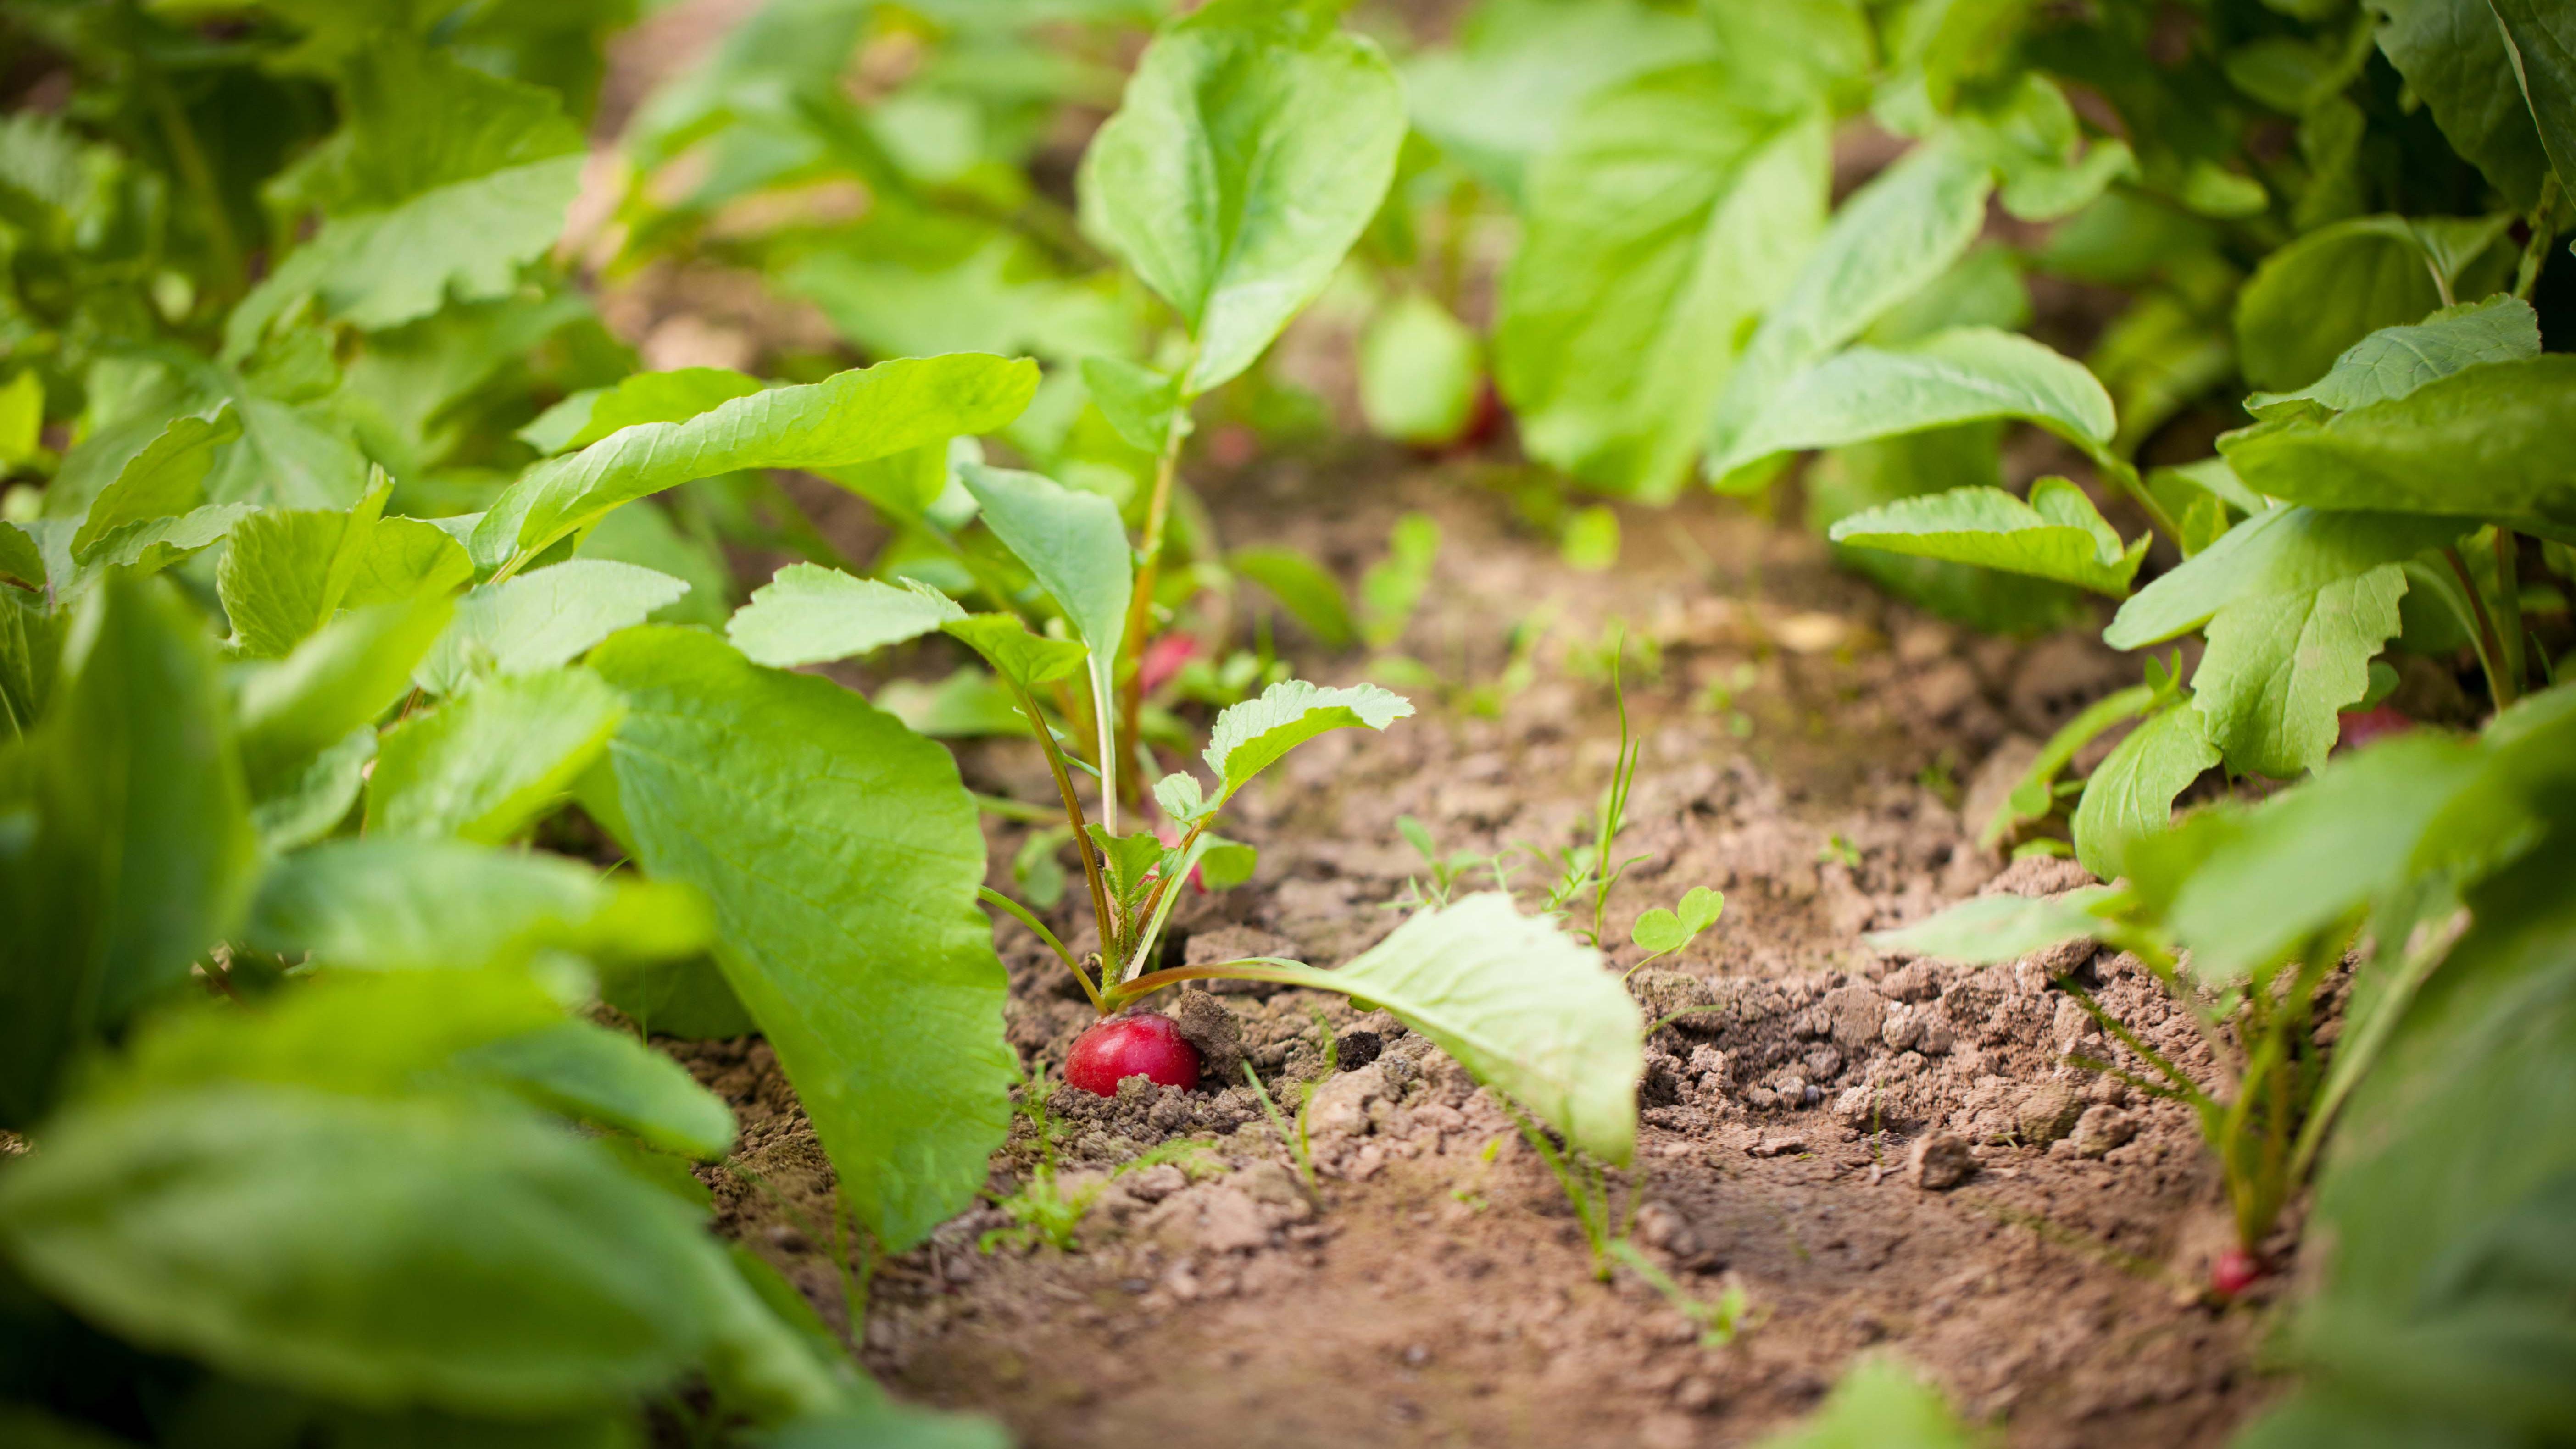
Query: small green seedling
[[1662, 932]]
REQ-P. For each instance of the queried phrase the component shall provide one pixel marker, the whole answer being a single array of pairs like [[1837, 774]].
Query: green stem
[[2500, 681], [2544, 230], [1249, 968], [1029, 919], [2130, 483], [2509, 602], [1091, 872], [1158, 512]]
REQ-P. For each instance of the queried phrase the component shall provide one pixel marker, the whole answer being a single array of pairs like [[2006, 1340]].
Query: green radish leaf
[[903, 486], [1659, 931], [487, 763], [2394, 361], [20, 558], [1892, 238], [842, 858], [1254, 143], [393, 904], [286, 570], [1988, 929], [2487, 443], [2543, 51], [1310, 594], [1251, 736], [1143, 405], [167, 478], [2131, 793], [463, 1254], [2034, 796], [1960, 376], [1851, 480], [311, 803], [647, 397], [1015, 653], [1700, 908], [1880, 1402], [445, 182], [846, 419], [587, 1071], [1225, 864], [1420, 373], [148, 546], [2326, 291], [30, 646], [2454, 55], [2309, 857], [1128, 859], [542, 619], [2280, 667], [2280, 550], [342, 679], [407, 558], [1077, 547], [1181, 797], [1677, 206], [130, 852], [1393, 587], [2057, 535], [1523, 1006], [808, 614]]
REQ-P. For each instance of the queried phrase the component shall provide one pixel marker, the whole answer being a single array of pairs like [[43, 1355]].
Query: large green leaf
[[2543, 39], [1895, 235], [2487, 443], [808, 614], [2277, 551], [342, 679], [286, 570], [1253, 145], [1525, 1007], [484, 764], [1988, 929], [2280, 667], [383, 1251], [1675, 210], [1852, 480], [167, 477], [392, 904], [542, 619], [842, 857], [2326, 291], [2131, 793], [1964, 375], [845, 419], [1881, 1403], [407, 558], [2394, 361], [1250, 737], [446, 180], [584, 1070], [647, 397], [2057, 535], [1076, 547], [2454, 56], [134, 853]]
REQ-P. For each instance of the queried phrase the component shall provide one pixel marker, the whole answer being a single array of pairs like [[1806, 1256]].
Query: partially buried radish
[[1143, 1045], [2233, 1273]]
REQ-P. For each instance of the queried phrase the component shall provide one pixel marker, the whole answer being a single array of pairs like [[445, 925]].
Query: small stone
[[1660, 1226], [1823, 1064], [1903, 1029], [1156, 1183], [1940, 1162], [1854, 1015], [1228, 1220], [1696, 1394], [1856, 1106], [1777, 1146], [1340, 1107], [2046, 1114], [2102, 1128]]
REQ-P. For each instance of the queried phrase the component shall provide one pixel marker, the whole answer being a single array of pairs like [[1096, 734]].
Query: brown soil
[[1441, 1291]]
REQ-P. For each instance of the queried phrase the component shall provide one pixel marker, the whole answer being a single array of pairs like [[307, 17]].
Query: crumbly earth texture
[[1868, 1152]]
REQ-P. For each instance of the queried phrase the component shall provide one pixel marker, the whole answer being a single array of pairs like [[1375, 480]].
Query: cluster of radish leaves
[[292, 1012]]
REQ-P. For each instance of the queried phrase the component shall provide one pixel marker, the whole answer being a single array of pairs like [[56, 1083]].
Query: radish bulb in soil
[[1143, 1045], [2234, 1272]]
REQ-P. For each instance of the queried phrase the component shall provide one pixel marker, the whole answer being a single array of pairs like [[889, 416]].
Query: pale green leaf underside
[[2131, 793], [2280, 667], [1959, 376], [847, 419], [842, 857], [2065, 539], [539, 620], [168, 477], [809, 614], [2394, 361], [484, 764], [1523, 1006], [1251, 736], [1996, 928]]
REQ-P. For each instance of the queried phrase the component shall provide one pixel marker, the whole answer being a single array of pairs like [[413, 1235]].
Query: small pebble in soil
[[1940, 1162]]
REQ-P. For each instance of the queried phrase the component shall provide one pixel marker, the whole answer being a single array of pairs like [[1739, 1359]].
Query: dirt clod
[[1940, 1162], [1206, 1024]]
